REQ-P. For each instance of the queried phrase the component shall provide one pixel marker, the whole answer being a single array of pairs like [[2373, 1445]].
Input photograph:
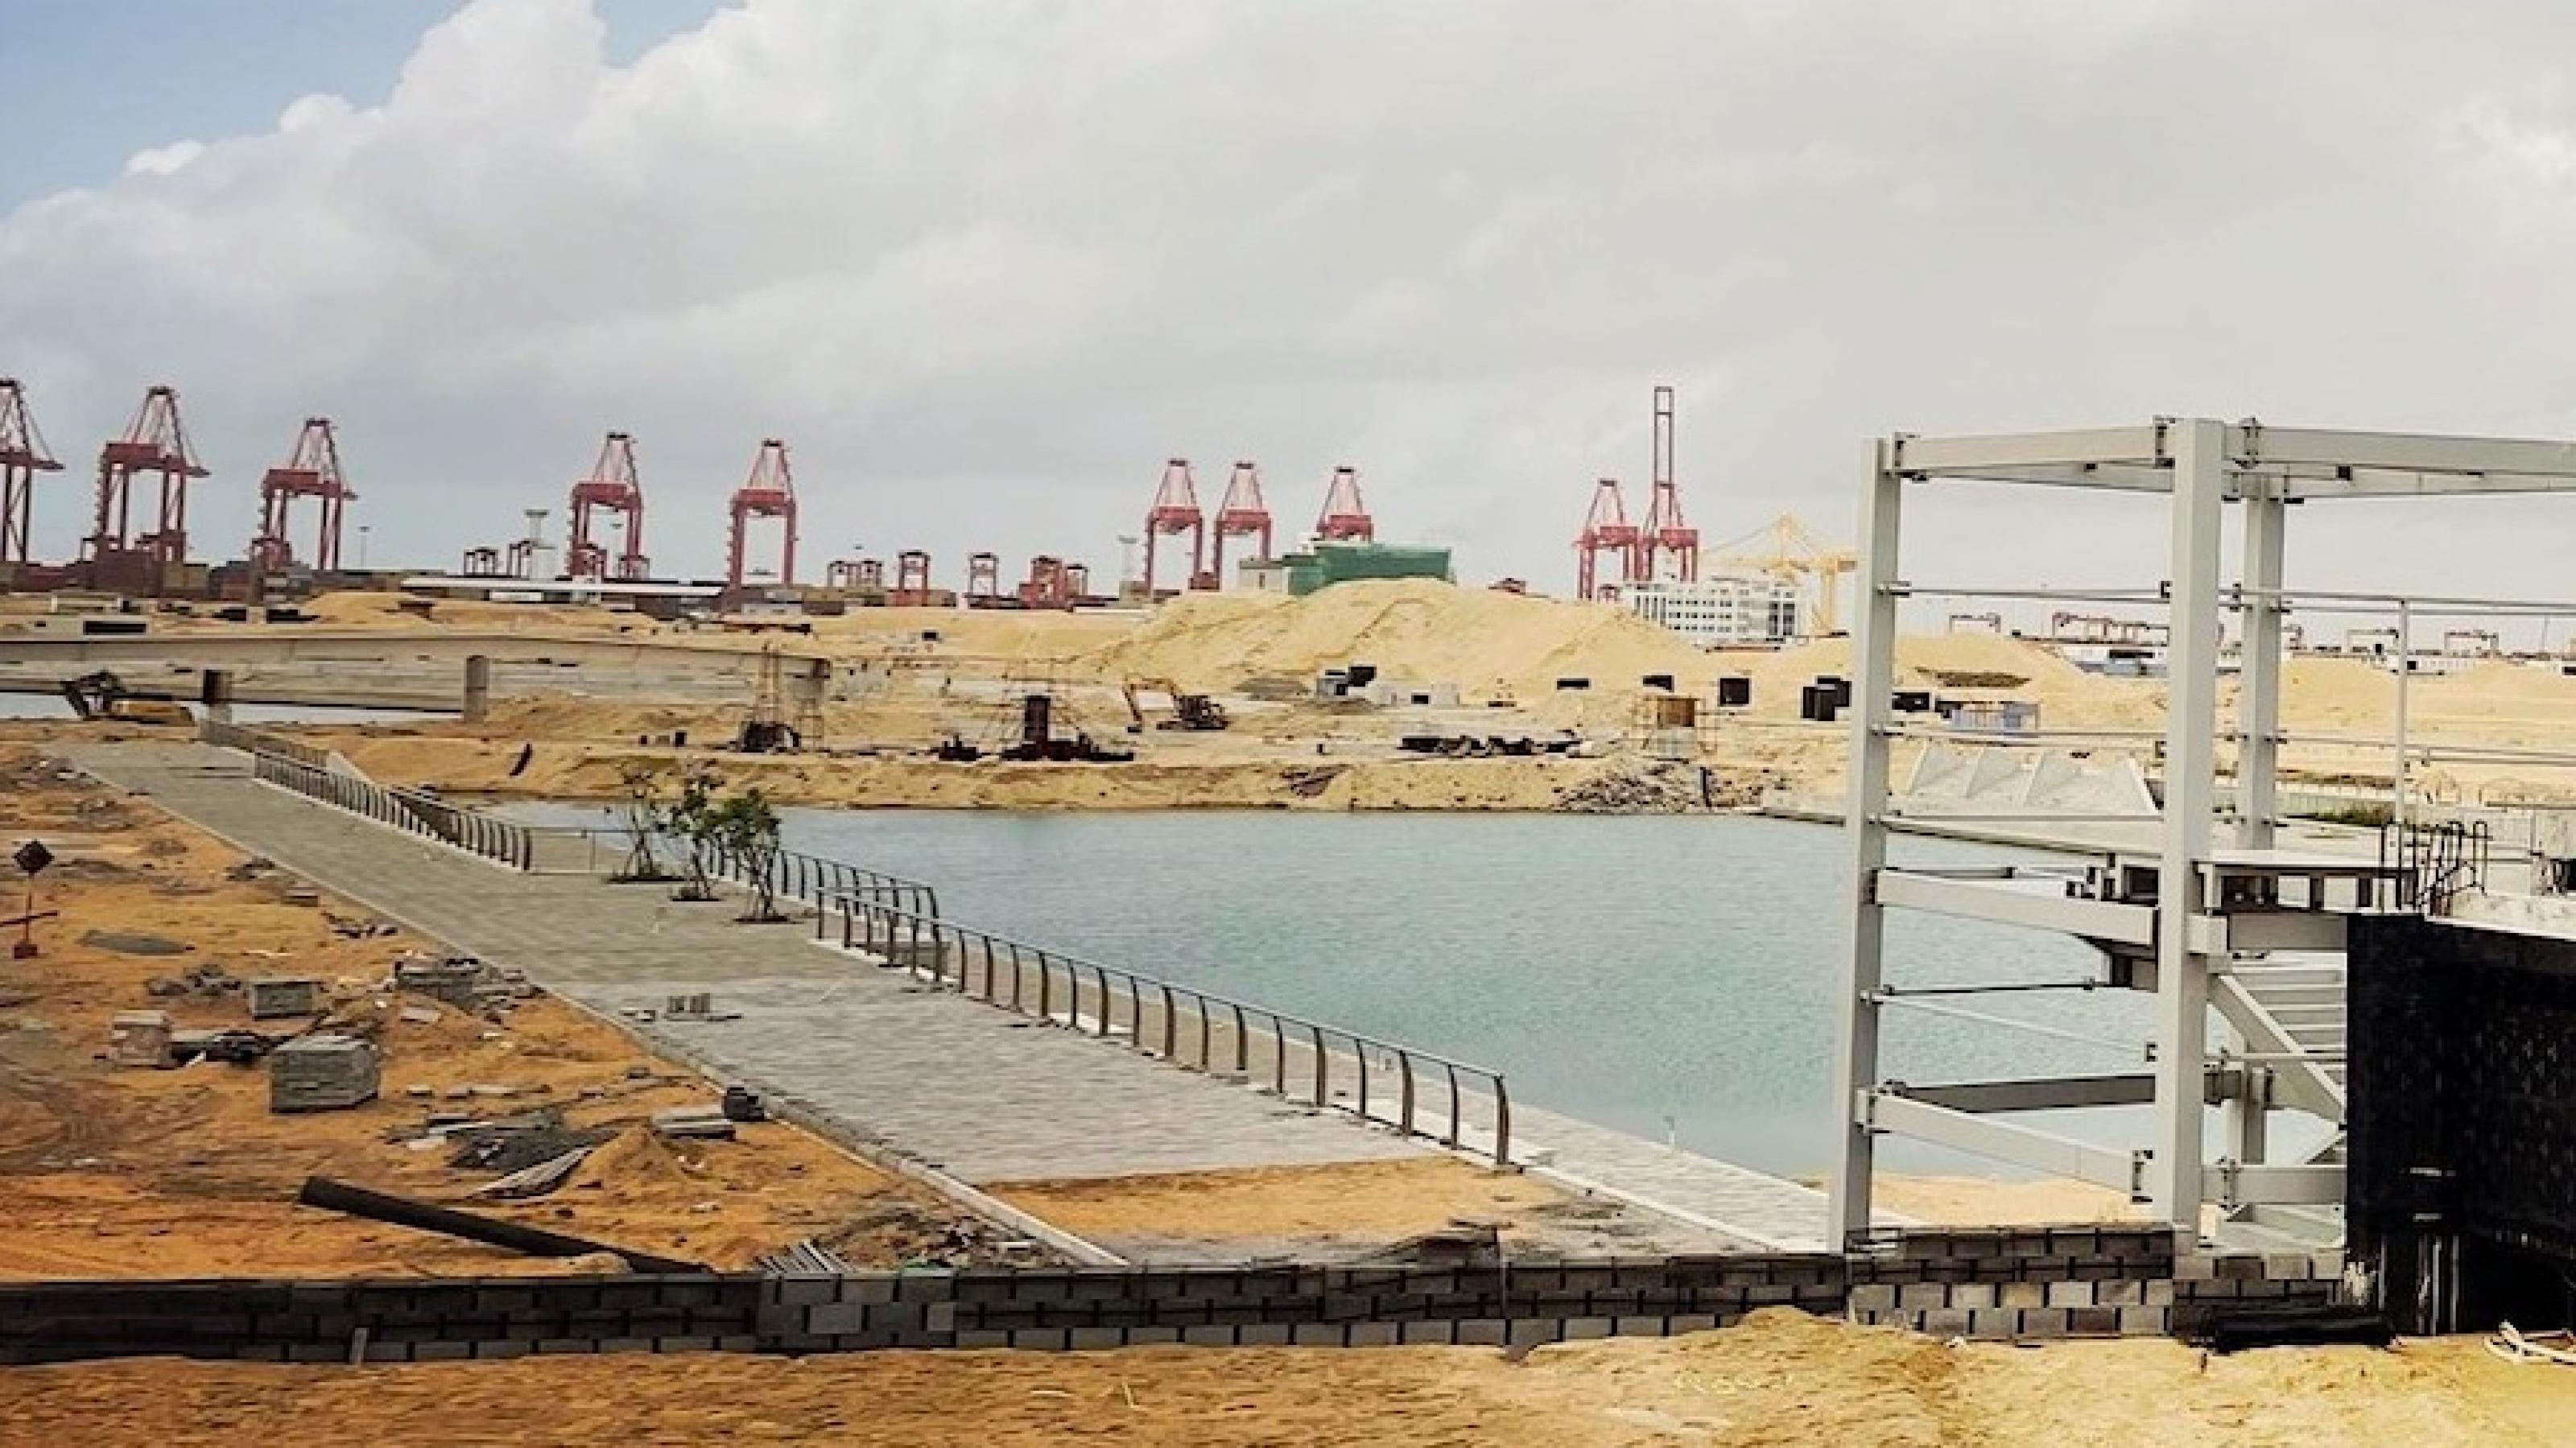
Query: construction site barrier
[[1416, 1092], [251, 741], [422, 814]]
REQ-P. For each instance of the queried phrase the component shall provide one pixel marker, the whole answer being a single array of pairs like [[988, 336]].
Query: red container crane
[[312, 471], [613, 487], [1667, 534], [1176, 511], [23, 454], [156, 441], [983, 576], [1606, 532], [1245, 513], [770, 492], [1345, 518]]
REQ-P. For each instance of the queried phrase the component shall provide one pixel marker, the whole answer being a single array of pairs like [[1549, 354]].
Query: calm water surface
[[1667, 975]]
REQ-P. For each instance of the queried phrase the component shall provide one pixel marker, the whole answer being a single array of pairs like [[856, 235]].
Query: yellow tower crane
[[1784, 548]]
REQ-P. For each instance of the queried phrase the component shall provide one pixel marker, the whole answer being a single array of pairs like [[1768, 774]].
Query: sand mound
[[1412, 629]]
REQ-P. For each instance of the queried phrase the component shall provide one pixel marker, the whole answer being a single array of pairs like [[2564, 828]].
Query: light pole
[[363, 531]]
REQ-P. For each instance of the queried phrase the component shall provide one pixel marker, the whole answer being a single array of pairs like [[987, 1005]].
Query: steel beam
[[2255, 445], [2045, 1093], [1944, 456], [2235, 1185], [2044, 1151], [2011, 904], [1874, 679]]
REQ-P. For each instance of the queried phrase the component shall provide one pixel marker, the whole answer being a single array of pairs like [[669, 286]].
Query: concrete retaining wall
[[2001, 1284]]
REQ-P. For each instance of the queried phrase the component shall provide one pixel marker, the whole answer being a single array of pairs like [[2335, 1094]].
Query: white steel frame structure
[[2189, 919]]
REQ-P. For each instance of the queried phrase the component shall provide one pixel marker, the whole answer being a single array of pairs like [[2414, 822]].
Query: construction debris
[[741, 1103], [693, 1123], [339, 1196], [207, 979], [535, 1181], [1651, 787], [697, 1006], [140, 1038], [129, 943], [322, 1073], [459, 980], [277, 996], [234, 1047]]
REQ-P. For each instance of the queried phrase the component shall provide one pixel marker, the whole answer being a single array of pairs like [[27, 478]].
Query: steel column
[[2191, 726], [1874, 673], [2258, 698]]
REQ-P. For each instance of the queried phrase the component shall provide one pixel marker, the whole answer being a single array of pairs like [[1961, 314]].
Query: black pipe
[[357, 1201]]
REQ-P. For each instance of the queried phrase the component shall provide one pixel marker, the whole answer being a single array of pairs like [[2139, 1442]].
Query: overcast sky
[[985, 265]]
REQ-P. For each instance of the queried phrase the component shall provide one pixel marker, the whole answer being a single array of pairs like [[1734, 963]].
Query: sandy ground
[[915, 676], [1331, 1212], [108, 1171], [1778, 1378]]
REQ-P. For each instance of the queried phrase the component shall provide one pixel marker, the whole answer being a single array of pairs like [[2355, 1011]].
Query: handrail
[[1343, 1070], [306, 771]]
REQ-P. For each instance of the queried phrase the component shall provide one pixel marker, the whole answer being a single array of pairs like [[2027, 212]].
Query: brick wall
[[2056, 1283]]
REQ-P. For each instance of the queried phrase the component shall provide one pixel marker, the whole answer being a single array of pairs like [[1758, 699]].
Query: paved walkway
[[987, 1096]]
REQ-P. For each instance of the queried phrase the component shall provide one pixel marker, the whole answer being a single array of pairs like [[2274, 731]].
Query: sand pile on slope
[[1412, 629]]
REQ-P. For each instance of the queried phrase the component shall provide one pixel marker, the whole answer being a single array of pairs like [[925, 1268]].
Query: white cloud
[[987, 264]]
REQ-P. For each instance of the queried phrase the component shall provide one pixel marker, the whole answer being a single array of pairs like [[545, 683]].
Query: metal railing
[[1414, 1091], [251, 741], [421, 814], [2437, 863]]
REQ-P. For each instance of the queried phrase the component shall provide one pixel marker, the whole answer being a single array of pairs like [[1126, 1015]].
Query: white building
[[1727, 611]]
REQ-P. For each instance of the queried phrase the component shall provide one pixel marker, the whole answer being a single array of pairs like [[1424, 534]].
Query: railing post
[[1323, 1077], [1046, 987], [1135, 1011], [1502, 1124], [1015, 975], [1404, 1097], [1206, 1040], [1171, 1024], [1242, 1046], [1278, 1056], [1451, 1140], [1359, 1052], [1100, 978]]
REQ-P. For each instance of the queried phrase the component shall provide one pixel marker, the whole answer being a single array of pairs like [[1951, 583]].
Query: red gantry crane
[[770, 492], [312, 471], [1667, 534], [911, 579], [1606, 531], [1345, 518], [156, 441], [613, 487], [1245, 513], [23, 454], [983, 577], [1176, 511], [1050, 583]]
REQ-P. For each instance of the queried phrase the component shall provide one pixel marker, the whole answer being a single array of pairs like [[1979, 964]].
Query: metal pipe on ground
[[357, 1201]]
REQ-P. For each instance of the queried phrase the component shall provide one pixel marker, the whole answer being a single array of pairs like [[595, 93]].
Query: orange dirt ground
[[129, 1172], [1778, 1378]]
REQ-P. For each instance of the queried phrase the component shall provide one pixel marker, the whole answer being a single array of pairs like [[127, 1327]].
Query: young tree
[[745, 827], [641, 812], [691, 819]]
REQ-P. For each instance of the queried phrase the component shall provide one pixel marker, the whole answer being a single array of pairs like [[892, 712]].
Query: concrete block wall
[[2109, 1281], [2071, 1282]]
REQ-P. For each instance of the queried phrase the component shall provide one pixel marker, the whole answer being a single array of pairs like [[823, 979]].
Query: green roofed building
[[1329, 563]]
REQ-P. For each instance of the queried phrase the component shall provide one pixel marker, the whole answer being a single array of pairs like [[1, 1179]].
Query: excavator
[[103, 695], [1195, 712]]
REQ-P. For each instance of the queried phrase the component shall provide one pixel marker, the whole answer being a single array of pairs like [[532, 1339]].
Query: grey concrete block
[[1321, 1334], [1973, 1295], [1994, 1324], [2043, 1322], [567, 1345], [1579, 1328], [1946, 1322], [2021, 1294], [1151, 1335], [834, 1318], [1040, 1339], [1691, 1322], [1375, 1334], [2288, 1267], [1097, 1339], [431, 1352], [2145, 1321], [1532, 1331], [2195, 1267], [2070, 1294], [1922, 1296], [939, 1317], [626, 1344], [983, 1338], [503, 1348], [1484, 1332], [1265, 1334], [2129, 1293], [1208, 1336], [684, 1344], [737, 1344], [804, 1291], [1873, 1297], [1640, 1325], [2158, 1293], [863, 1289], [2092, 1321], [1443, 1333]]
